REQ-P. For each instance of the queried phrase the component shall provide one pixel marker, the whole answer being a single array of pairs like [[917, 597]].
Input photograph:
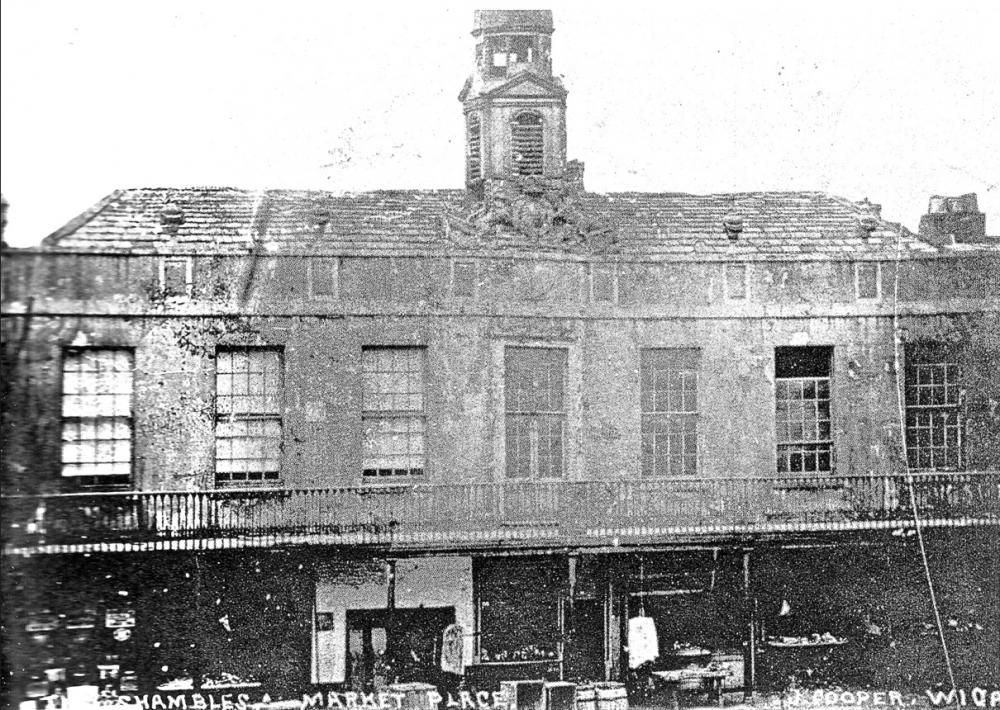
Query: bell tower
[[515, 109]]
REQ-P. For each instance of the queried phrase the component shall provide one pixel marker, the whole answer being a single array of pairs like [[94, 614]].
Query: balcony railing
[[594, 513]]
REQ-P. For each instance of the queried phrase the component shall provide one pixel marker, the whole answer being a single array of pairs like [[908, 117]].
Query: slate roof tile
[[387, 222]]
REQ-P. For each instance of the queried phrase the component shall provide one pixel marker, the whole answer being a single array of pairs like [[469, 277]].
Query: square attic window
[[464, 279], [867, 280], [176, 276], [736, 282], [325, 276]]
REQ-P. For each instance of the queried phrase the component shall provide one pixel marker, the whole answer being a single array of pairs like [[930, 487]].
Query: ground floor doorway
[[387, 646]]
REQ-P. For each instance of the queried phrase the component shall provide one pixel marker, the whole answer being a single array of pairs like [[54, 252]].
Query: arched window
[[527, 144], [474, 166]]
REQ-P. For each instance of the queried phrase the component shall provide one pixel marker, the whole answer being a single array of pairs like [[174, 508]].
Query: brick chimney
[[953, 220]]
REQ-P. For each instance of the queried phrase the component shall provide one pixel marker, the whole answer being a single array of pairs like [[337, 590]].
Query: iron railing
[[595, 512]]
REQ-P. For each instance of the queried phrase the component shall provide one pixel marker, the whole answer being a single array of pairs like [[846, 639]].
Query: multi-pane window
[[669, 394], [536, 412], [393, 411], [528, 144], [802, 409], [248, 406], [475, 131], [97, 416], [934, 409]]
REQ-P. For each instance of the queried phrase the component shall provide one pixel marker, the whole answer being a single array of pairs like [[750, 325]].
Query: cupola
[[515, 109]]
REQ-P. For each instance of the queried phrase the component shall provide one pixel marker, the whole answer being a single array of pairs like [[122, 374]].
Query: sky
[[894, 101]]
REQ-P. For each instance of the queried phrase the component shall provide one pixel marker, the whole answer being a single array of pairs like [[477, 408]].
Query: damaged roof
[[421, 222]]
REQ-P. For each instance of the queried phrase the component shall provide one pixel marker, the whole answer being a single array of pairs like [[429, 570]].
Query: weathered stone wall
[[382, 284], [542, 303]]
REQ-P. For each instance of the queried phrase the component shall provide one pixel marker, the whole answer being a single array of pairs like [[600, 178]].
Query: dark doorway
[[585, 650], [395, 646]]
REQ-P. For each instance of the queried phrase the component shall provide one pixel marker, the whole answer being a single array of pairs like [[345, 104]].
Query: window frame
[[858, 265], [935, 355], [97, 480], [612, 270], [368, 414], [334, 293], [535, 417], [744, 295], [803, 445], [474, 264], [688, 361], [277, 416], [188, 276]]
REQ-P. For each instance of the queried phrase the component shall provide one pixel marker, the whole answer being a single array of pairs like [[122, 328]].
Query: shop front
[[117, 626], [682, 621], [452, 622], [862, 616], [382, 622], [520, 619]]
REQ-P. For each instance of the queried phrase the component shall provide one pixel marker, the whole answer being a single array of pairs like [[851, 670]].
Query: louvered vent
[[475, 164], [527, 139]]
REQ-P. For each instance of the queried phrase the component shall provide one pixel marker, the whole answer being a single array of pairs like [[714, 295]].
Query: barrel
[[611, 696], [416, 696], [586, 697], [524, 694], [560, 695]]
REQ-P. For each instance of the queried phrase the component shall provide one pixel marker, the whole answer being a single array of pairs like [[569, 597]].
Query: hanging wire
[[896, 341], [642, 585]]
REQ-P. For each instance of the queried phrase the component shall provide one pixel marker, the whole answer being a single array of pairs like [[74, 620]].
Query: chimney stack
[[953, 220]]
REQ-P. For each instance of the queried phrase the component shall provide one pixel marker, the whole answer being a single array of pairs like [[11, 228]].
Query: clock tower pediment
[[527, 85]]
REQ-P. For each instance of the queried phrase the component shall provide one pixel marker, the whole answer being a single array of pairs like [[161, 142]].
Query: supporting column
[[612, 629], [390, 577], [750, 647]]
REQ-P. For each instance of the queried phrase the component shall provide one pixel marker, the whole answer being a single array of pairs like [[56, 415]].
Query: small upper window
[[736, 282], [175, 277], [603, 283], [527, 144], [324, 273], [867, 280], [463, 279]]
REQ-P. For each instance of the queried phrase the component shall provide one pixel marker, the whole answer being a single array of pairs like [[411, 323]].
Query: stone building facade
[[269, 442]]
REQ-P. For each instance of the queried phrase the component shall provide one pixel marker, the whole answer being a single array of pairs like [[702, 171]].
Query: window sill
[[77, 487], [266, 484]]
